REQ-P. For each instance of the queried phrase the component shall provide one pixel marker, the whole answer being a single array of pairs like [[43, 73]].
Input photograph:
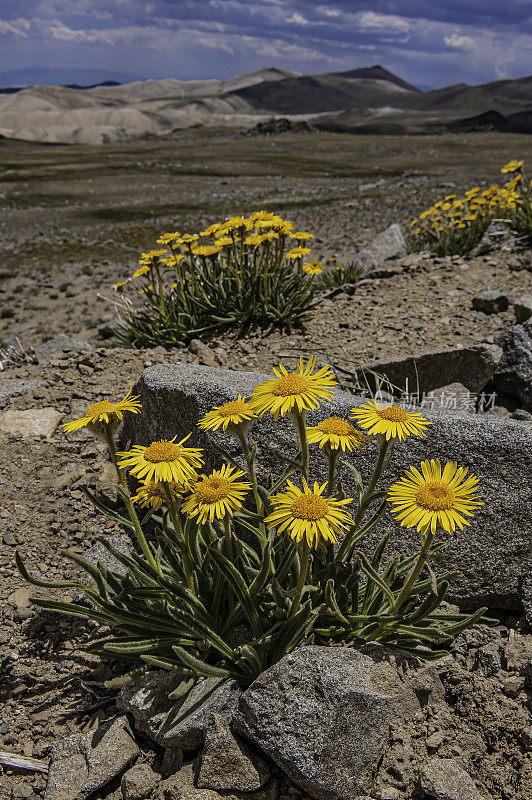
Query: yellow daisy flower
[[142, 271], [298, 252], [211, 229], [163, 461], [261, 215], [294, 391], [390, 420], [206, 249], [512, 166], [308, 514], [313, 267], [104, 415], [225, 241], [272, 221], [303, 236], [337, 433], [153, 495], [255, 239], [217, 494], [229, 415], [168, 237], [120, 285], [432, 499]]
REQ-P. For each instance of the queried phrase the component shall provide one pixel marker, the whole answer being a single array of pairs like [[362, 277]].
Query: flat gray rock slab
[[316, 716], [15, 387], [33, 423], [84, 762], [492, 556]]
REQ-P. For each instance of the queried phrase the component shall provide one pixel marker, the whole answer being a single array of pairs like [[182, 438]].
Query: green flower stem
[[379, 468], [416, 569], [299, 419], [229, 544], [332, 457], [304, 553], [253, 477], [377, 472], [180, 534], [127, 498]]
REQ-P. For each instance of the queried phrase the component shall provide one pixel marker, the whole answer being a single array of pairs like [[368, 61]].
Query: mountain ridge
[[362, 100]]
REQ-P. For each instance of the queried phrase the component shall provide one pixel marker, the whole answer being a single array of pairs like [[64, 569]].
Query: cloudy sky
[[428, 42]]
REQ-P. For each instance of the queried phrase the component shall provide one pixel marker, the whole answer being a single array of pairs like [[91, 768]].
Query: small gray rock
[[84, 762], [454, 398], [521, 415], [99, 553], [523, 308], [138, 782], [514, 372], [61, 346], [491, 301], [497, 235], [184, 726], [388, 244], [147, 700], [177, 724], [488, 659], [226, 763], [314, 713], [181, 787], [444, 779]]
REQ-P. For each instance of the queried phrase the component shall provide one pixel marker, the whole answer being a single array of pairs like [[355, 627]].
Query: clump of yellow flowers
[[232, 573], [244, 269], [455, 225]]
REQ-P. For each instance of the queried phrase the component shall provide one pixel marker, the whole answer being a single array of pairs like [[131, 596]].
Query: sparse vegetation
[[455, 225], [521, 219], [240, 573], [243, 270]]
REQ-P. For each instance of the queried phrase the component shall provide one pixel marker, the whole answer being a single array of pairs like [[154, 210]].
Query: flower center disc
[[103, 407], [393, 413], [309, 506], [213, 489], [336, 425], [234, 407], [161, 451], [290, 384], [435, 496]]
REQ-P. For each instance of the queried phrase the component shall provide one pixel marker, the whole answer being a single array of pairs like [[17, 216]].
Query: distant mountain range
[[368, 100], [36, 76]]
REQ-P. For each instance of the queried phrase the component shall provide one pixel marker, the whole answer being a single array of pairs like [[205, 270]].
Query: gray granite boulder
[[491, 557], [316, 715], [84, 762], [472, 366], [514, 372]]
